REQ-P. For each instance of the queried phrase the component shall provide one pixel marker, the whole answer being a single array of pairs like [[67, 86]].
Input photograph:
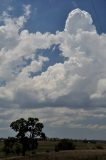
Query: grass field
[[45, 151], [80, 145], [66, 155]]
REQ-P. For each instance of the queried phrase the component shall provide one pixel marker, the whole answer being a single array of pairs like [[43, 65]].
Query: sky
[[53, 66]]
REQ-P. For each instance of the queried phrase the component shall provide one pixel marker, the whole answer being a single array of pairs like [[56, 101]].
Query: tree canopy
[[28, 131]]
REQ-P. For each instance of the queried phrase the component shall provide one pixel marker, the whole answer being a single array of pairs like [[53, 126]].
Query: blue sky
[[52, 66], [50, 15]]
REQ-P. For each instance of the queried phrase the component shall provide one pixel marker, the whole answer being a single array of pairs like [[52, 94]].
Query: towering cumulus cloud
[[79, 82]]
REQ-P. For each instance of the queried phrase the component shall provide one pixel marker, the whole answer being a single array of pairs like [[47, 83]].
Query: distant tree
[[85, 141], [27, 132]]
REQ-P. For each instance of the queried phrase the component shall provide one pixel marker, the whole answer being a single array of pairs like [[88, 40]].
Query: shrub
[[8, 145], [65, 144], [17, 148], [99, 146]]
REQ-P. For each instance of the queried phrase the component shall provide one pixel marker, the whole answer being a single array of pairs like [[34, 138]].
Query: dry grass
[[66, 155], [45, 151]]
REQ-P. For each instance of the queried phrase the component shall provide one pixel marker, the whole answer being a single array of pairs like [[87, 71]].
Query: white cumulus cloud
[[78, 82]]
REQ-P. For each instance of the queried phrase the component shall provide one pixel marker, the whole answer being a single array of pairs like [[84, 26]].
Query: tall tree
[[34, 129], [28, 131], [20, 126]]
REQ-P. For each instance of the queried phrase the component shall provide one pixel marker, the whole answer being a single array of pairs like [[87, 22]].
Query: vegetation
[[11, 146], [64, 144], [46, 150], [65, 155], [27, 133]]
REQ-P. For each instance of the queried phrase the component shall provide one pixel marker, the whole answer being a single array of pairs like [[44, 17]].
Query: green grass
[[80, 145], [46, 146]]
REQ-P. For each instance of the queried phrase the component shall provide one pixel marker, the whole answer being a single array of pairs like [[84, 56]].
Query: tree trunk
[[23, 149]]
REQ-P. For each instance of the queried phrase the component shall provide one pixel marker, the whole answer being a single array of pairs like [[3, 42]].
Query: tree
[[20, 126], [35, 130], [27, 132]]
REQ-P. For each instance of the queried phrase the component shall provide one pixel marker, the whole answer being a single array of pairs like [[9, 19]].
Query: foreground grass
[[45, 151], [66, 155]]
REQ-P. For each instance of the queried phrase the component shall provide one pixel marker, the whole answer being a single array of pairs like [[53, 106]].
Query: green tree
[[27, 132], [20, 126], [35, 130]]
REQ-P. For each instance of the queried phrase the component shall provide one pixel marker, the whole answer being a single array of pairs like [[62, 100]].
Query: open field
[[66, 155], [84, 151], [79, 145]]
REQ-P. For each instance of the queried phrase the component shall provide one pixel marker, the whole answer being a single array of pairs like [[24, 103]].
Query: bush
[[17, 148], [65, 144], [12, 146], [99, 146], [8, 145]]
